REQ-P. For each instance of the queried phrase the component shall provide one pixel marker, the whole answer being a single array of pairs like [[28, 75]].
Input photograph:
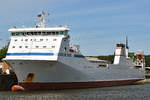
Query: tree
[[147, 60], [3, 52]]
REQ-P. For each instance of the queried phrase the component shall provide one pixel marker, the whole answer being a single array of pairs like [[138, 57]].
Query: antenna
[[42, 19], [47, 20], [41, 16], [127, 42], [42, 23]]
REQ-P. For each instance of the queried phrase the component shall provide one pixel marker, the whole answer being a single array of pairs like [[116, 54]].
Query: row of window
[[38, 33], [35, 47], [33, 39]]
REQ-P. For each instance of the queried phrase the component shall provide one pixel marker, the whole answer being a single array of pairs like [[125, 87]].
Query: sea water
[[130, 92]]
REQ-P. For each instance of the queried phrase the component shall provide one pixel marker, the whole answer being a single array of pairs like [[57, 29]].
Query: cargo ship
[[44, 59]]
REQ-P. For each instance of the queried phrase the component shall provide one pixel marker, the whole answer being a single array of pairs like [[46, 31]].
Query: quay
[[7, 81], [7, 77]]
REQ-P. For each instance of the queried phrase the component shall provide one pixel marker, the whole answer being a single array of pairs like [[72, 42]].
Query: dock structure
[[7, 81], [5, 68], [7, 77]]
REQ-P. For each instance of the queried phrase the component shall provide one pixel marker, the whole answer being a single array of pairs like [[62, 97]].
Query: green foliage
[[147, 60], [109, 58], [3, 52]]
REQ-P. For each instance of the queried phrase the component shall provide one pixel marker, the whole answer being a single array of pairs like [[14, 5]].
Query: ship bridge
[[36, 43]]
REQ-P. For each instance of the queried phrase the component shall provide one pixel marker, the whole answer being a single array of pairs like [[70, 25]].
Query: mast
[[127, 42], [42, 20], [127, 47]]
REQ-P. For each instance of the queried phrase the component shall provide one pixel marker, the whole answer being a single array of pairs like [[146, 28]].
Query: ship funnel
[[120, 53]]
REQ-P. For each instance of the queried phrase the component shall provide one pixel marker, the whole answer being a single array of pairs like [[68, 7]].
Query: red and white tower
[[120, 53]]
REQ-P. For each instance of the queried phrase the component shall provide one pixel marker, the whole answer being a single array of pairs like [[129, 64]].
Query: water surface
[[131, 92]]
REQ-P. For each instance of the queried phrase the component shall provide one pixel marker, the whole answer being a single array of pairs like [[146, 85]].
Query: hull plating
[[75, 85], [72, 73]]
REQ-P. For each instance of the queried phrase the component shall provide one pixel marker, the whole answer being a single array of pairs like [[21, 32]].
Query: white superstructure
[[43, 56], [36, 43], [139, 60]]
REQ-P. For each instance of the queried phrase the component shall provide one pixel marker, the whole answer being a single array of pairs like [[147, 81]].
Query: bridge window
[[16, 34], [43, 32], [13, 34], [61, 33], [35, 33], [20, 46], [13, 47], [66, 32], [29, 33], [26, 46], [39, 33], [48, 33], [57, 33], [53, 33]]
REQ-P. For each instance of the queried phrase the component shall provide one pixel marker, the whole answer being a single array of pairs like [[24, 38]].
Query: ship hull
[[53, 75], [76, 85]]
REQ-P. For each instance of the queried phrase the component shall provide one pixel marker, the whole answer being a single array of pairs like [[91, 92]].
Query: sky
[[96, 25]]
